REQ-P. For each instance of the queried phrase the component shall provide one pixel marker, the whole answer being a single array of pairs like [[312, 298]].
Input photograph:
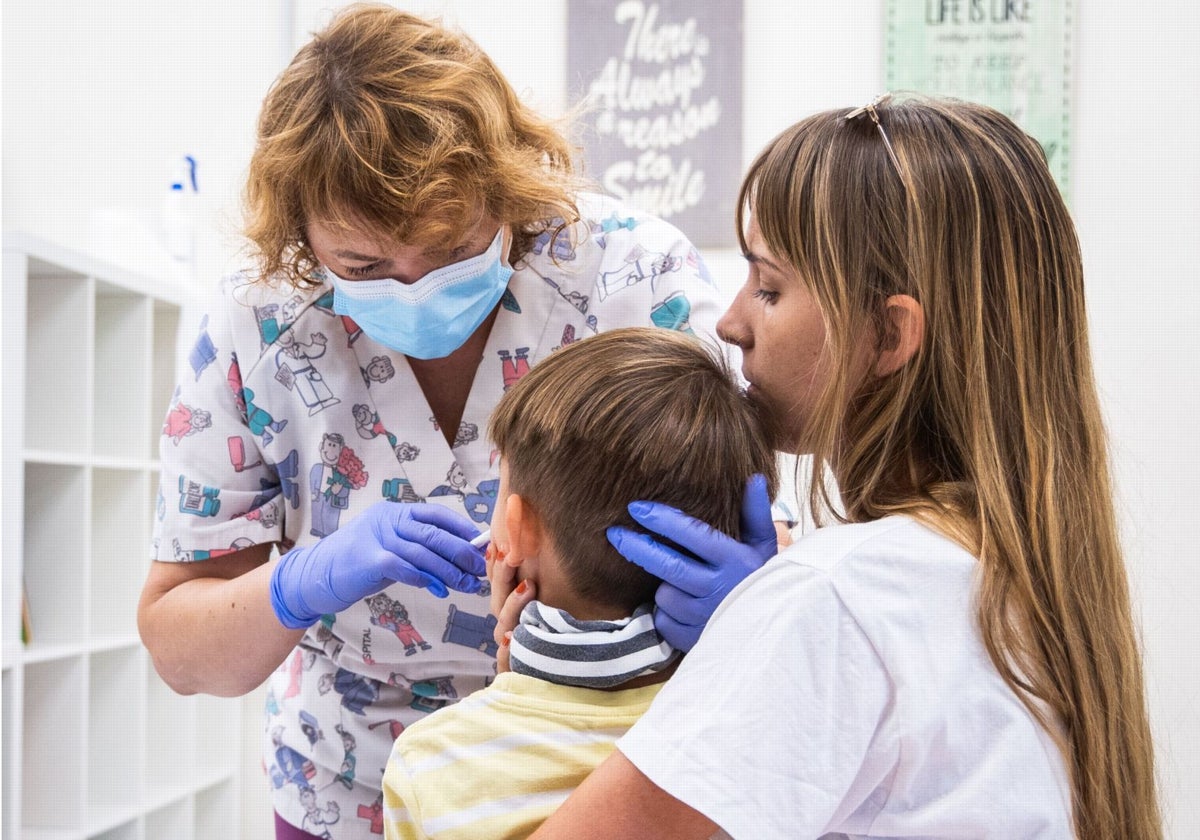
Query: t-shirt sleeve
[[767, 722], [401, 816], [219, 492]]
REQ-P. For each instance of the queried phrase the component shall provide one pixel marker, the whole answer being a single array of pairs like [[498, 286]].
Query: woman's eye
[[362, 270], [766, 295]]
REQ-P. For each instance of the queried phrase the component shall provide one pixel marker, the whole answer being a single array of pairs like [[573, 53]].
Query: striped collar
[[552, 645]]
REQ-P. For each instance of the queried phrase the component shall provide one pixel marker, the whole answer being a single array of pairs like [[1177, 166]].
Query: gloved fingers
[[683, 607], [686, 573], [679, 636], [418, 579], [698, 537], [758, 527], [435, 540], [399, 554], [444, 518]]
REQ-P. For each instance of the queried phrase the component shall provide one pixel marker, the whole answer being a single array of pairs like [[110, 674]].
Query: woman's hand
[[418, 544], [695, 584]]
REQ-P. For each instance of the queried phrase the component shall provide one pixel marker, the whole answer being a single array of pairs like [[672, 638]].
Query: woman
[[421, 241], [956, 657]]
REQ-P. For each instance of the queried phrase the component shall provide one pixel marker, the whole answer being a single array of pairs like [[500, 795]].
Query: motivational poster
[[1014, 55], [662, 87]]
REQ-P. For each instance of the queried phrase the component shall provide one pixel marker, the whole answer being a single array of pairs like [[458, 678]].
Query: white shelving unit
[[95, 745]]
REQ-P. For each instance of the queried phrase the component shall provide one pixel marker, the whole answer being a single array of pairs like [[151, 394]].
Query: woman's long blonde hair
[[396, 125], [992, 433]]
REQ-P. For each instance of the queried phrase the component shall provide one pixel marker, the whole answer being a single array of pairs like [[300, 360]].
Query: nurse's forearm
[[209, 626]]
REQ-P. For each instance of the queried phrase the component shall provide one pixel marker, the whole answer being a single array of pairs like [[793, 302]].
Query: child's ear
[[525, 531]]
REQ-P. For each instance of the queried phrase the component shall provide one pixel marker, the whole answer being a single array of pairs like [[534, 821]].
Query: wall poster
[[1014, 55], [663, 82]]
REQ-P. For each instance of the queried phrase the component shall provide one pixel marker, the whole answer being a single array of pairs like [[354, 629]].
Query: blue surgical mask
[[434, 316]]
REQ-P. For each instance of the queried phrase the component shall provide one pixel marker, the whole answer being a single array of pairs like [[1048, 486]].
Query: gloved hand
[[694, 585], [418, 544]]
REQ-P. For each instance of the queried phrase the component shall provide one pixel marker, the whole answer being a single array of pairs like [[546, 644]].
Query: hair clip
[[870, 110]]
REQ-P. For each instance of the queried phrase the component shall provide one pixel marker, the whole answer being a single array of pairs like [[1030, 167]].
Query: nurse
[[955, 657], [421, 240]]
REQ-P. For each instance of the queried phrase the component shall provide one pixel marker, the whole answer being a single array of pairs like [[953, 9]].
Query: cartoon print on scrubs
[[197, 499], [513, 365], [368, 425], [392, 615], [317, 818], [673, 313], [183, 420], [470, 630], [456, 482], [259, 420], [355, 670], [613, 223], [352, 329], [330, 481], [431, 695], [380, 369], [639, 265], [290, 767], [400, 490], [311, 728], [358, 692], [373, 814], [203, 352], [296, 370], [182, 556], [480, 505], [346, 774]]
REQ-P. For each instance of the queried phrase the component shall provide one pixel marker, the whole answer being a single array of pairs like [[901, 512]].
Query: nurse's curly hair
[[397, 126]]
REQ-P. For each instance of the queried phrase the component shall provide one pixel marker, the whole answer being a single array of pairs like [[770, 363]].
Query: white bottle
[[179, 218]]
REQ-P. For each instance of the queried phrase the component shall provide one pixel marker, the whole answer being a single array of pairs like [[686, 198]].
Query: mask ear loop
[[870, 110]]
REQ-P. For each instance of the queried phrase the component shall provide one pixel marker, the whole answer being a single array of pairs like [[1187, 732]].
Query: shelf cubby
[[53, 765], [95, 745], [121, 372], [124, 831], [170, 723], [120, 545], [162, 370], [114, 709], [55, 561], [58, 361], [216, 811], [173, 820]]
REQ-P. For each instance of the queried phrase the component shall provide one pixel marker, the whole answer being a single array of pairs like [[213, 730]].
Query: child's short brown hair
[[635, 413]]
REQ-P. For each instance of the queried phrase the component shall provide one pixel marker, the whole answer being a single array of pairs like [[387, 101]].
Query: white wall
[[1137, 207], [97, 98]]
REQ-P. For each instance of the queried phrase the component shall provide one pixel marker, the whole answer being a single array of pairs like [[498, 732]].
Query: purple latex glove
[[695, 584], [418, 544]]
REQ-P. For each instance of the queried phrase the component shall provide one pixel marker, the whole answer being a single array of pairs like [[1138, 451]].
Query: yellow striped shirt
[[498, 763]]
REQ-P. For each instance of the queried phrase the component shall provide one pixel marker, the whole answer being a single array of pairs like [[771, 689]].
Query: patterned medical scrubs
[[289, 421]]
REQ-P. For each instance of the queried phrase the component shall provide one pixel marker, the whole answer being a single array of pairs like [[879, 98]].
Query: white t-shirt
[[844, 691]]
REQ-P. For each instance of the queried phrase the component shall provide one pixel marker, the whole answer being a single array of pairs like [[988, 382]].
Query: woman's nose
[[730, 328]]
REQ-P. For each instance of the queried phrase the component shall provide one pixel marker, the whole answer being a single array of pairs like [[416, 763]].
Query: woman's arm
[[209, 625], [618, 801]]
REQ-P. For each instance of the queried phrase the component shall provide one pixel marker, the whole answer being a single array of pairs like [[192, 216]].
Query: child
[[637, 413]]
